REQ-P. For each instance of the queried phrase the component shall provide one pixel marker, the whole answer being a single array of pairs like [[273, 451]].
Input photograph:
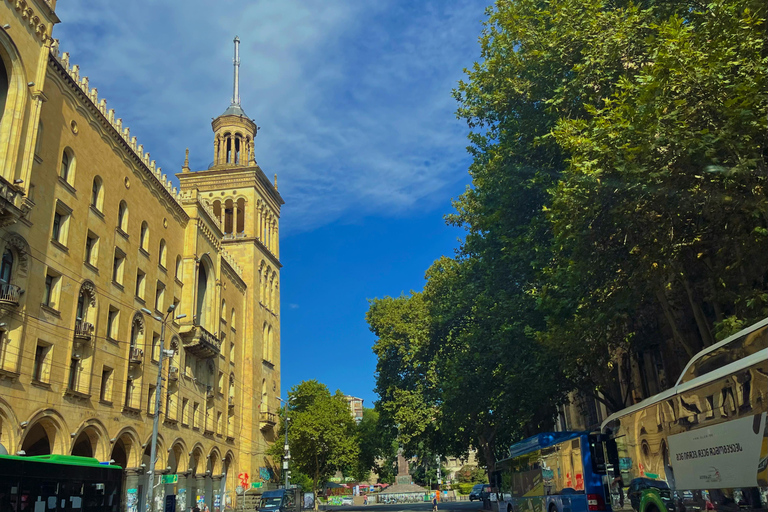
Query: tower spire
[[236, 92]]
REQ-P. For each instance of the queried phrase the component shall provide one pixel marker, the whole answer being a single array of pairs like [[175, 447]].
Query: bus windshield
[[270, 502]]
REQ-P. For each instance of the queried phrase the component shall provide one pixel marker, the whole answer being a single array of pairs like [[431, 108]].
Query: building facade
[[105, 264]]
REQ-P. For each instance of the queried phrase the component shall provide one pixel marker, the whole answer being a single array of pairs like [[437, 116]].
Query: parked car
[[346, 500], [477, 492]]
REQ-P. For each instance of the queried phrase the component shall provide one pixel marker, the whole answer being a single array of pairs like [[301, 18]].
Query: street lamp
[[155, 423], [287, 449]]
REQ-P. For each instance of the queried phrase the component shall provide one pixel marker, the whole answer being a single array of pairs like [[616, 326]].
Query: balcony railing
[[201, 343], [268, 419], [9, 294], [83, 331], [136, 356]]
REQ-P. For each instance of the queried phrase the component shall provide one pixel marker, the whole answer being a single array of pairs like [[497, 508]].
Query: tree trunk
[[698, 314], [662, 298]]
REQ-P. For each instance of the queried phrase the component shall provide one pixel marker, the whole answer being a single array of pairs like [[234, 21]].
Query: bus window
[[597, 454]]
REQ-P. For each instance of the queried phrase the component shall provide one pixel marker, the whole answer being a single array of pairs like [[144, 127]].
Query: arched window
[[178, 267], [6, 267], [202, 294], [232, 319], [97, 193], [122, 216], [137, 332], [67, 171], [223, 310], [144, 238], [271, 344], [162, 256], [4, 83], [237, 149], [240, 216], [265, 342], [228, 148], [86, 310]]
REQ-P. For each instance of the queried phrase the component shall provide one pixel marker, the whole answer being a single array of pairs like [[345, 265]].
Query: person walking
[[365, 499], [434, 503]]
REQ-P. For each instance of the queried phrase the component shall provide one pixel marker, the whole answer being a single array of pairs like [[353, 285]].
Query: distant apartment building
[[355, 407]]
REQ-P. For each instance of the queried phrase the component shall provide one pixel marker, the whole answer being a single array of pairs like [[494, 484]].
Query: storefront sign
[[720, 456]]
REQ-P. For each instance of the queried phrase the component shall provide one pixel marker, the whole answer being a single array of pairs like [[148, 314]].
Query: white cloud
[[353, 97]]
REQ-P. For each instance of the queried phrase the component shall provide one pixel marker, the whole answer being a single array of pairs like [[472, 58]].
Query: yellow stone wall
[[64, 366]]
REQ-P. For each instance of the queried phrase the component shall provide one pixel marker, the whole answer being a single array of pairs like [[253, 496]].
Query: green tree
[[470, 475], [376, 447], [321, 434]]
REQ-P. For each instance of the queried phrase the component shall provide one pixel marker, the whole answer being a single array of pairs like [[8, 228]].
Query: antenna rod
[[236, 93]]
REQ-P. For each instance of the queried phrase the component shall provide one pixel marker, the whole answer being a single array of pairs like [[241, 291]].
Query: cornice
[[140, 162], [31, 15], [250, 176], [241, 241]]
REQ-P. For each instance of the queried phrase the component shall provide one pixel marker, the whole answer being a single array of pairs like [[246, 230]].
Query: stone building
[[98, 247]]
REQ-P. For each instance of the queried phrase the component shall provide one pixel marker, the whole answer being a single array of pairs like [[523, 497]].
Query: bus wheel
[[552, 507], [651, 508], [509, 508]]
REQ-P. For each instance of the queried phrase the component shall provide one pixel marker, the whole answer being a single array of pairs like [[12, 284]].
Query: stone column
[[131, 496], [199, 489], [216, 498], [235, 213], [181, 493]]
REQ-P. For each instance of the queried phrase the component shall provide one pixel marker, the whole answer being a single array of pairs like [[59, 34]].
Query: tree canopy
[[618, 205]]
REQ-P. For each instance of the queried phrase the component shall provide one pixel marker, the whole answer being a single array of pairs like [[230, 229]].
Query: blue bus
[[554, 472]]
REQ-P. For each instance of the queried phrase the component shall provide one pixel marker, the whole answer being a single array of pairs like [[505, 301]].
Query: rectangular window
[[151, 400], [155, 346], [118, 267], [91, 249], [129, 389], [219, 424], [105, 393], [41, 366], [220, 388], [160, 297], [140, 281], [51, 290], [176, 310], [113, 323], [185, 411], [196, 415], [74, 371], [60, 224]]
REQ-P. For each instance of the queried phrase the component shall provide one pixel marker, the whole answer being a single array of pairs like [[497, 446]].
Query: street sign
[[170, 479], [256, 485]]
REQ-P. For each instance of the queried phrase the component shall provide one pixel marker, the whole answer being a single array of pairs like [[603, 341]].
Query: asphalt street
[[451, 506]]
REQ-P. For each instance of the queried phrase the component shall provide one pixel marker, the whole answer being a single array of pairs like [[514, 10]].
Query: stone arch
[[86, 302], [93, 435], [214, 462], [45, 434], [15, 97], [161, 454], [8, 428], [178, 456], [126, 449], [196, 459], [229, 473]]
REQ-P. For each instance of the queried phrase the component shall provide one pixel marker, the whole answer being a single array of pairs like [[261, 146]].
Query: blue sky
[[357, 120]]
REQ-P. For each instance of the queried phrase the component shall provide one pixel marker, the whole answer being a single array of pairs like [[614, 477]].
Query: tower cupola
[[233, 130]]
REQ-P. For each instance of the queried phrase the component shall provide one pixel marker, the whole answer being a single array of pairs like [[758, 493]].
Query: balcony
[[9, 294], [209, 392], [83, 332], [201, 343], [268, 419], [231, 403], [135, 356], [173, 373]]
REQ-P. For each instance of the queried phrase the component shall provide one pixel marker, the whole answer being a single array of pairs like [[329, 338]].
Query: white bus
[[703, 444]]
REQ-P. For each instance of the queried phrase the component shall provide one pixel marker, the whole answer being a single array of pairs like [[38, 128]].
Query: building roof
[[234, 109]]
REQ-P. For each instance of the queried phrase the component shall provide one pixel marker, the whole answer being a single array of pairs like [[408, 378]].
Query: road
[[451, 506]]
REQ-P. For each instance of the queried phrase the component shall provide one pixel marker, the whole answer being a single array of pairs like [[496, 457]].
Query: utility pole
[[158, 388], [287, 448]]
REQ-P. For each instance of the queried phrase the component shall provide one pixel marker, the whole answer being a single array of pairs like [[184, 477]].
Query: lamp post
[[287, 449], [158, 388]]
